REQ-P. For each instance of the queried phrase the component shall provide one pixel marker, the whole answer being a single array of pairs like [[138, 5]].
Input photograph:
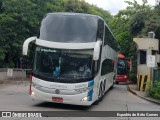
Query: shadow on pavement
[[122, 83], [60, 106]]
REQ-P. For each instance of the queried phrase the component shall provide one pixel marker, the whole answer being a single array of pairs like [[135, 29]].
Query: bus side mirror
[[26, 43], [97, 49]]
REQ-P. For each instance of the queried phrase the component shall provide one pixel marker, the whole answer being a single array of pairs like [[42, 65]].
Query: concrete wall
[[17, 74], [158, 58], [145, 43], [143, 70], [3, 75]]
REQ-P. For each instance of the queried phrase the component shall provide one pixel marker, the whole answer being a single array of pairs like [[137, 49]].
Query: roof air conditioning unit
[[151, 35]]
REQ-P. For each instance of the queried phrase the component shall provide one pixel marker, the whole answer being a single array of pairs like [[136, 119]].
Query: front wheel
[[112, 86], [100, 95]]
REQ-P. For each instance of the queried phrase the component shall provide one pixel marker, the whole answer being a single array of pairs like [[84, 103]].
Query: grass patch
[[155, 90]]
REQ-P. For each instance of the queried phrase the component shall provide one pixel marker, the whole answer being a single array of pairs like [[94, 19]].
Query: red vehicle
[[123, 65]]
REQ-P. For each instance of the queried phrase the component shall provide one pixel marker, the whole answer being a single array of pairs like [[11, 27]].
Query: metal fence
[[156, 74]]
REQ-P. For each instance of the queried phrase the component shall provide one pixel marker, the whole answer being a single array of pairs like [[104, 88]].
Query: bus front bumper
[[121, 78], [78, 99]]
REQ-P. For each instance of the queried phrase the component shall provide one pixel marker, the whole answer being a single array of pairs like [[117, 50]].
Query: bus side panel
[[110, 54]]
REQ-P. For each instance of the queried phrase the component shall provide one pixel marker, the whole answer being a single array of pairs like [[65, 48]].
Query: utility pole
[[151, 69]]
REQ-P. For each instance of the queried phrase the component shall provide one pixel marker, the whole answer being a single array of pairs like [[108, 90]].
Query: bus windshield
[[121, 67], [63, 64], [68, 28]]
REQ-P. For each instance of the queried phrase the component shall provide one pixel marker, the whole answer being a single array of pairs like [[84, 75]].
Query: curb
[[148, 99], [6, 81]]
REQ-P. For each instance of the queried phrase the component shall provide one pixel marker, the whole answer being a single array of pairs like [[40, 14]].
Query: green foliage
[[152, 22], [132, 77], [136, 24], [155, 90], [135, 21]]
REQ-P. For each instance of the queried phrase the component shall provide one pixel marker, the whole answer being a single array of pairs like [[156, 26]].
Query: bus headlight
[[85, 98], [32, 93], [125, 76]]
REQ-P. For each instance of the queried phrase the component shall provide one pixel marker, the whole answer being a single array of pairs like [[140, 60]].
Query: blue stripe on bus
[[90, 93], [90, 83]]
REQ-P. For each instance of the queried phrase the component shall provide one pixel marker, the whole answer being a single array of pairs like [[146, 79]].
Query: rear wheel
[[112, 86], [117, 82], [114, 80]]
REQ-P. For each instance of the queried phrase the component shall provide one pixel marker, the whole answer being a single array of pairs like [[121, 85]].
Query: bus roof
[[79, 14]]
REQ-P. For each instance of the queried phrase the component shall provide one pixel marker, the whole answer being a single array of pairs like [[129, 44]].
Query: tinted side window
[[106, 36], [110, 40], [107, 67]]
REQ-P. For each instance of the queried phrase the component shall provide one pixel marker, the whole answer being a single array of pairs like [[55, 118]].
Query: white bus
[[73, 61]]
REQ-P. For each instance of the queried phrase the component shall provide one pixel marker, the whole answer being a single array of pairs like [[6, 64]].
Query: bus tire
[[101, 92], [104, 86], [100, 95], [117, 82]]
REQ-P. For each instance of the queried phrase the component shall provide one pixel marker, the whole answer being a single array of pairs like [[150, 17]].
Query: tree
[[136, 24]]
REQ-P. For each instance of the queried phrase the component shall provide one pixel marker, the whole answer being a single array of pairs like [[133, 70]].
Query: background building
[[146, 46]]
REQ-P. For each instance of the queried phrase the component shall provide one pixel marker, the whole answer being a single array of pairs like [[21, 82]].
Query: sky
[[115, 5]]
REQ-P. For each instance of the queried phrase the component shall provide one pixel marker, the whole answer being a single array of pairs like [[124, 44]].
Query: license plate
[[57, 99]]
